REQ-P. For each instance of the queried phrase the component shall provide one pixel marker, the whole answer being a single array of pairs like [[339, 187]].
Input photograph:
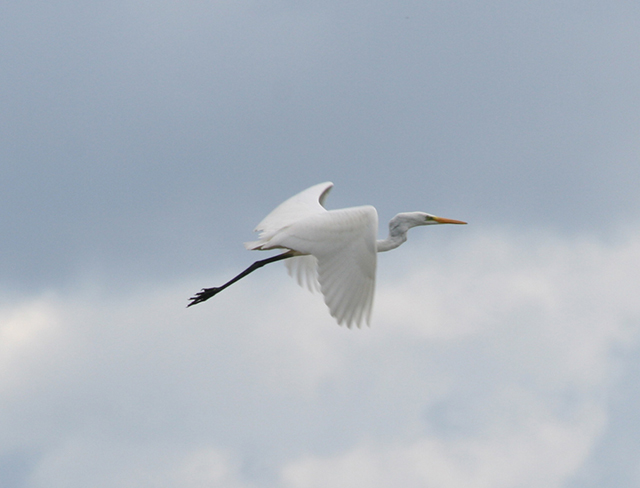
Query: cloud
[[542, 452], [490, 362]]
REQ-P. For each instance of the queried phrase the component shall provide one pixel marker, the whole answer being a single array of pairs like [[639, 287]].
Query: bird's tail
[[254, 245]]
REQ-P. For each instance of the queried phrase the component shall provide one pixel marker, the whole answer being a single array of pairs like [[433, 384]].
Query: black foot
[[203, 295]]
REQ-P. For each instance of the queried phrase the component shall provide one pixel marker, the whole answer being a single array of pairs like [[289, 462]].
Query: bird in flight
[[331, 251]]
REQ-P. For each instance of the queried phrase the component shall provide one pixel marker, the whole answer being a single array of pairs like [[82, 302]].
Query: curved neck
[[391, 242], [398, 228]]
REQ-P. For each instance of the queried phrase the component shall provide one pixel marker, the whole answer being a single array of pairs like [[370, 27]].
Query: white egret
[[333, 251]]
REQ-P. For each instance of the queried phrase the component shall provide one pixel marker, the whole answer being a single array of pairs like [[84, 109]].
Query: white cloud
[[107, 464], [25, 329], [489, 363], [541, 452]]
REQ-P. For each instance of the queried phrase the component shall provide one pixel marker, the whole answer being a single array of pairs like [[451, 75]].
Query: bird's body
[[333, 251]]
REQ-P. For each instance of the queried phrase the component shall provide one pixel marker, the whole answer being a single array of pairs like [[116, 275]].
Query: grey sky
[[141, 142], [139, 135]]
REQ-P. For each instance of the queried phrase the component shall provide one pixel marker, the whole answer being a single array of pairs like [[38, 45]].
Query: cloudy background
[[141, 141]]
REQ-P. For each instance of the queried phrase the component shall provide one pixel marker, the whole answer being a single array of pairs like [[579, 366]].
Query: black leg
[[207, 293]]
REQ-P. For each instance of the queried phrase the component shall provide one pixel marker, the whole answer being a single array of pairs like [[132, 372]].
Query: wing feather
[[304, 269], [306, 203], [344, 245]]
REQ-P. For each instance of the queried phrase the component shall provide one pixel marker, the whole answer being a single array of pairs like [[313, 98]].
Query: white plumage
[[341, 242], [333, 251]]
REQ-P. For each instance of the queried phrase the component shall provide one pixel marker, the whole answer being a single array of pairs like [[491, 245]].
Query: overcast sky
[[140, 144]]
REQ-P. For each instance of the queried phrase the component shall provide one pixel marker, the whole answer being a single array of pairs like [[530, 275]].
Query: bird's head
[[401, 223]]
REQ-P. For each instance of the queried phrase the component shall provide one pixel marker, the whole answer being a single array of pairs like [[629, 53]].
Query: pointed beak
[[442, 220]]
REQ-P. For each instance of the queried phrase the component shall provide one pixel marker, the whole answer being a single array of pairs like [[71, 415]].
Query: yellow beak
[[442, 220]]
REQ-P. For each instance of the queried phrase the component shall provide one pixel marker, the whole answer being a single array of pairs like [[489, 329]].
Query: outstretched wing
[[344, 244], [304, 204]]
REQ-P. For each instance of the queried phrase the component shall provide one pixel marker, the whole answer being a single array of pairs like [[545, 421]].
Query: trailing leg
[[207, 293]]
